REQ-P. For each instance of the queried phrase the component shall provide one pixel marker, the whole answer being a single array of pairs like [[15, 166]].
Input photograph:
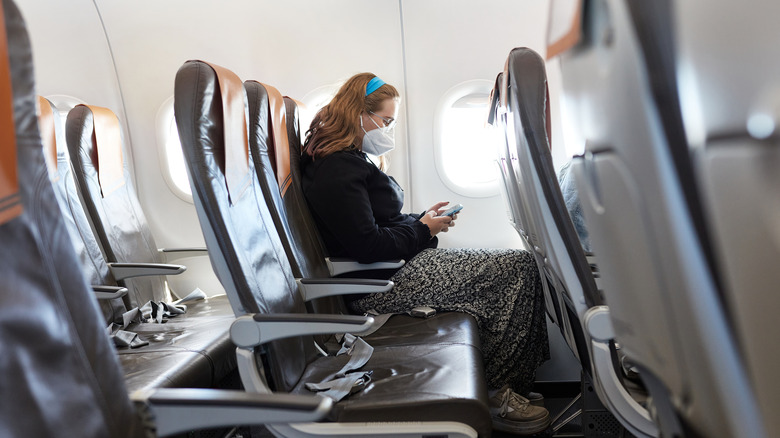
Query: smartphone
[[452, 210]]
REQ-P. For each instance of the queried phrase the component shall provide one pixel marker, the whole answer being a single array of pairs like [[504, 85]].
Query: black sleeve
[[339, 198]]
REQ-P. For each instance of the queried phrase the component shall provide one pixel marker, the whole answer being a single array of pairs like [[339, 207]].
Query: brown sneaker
[[513, 413]]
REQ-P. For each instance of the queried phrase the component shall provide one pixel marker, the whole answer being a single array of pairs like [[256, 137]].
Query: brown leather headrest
[[231, 88], [281, 143], [108, 145], [10, 199], [48, 136]]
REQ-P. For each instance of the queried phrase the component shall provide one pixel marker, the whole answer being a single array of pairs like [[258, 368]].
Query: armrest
[[193, 249], [249, 331], [340, 265], [177, 410], [108, 292], [312, 288], [120, 271]]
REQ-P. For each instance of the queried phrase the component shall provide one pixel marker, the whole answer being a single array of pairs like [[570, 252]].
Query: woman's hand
[[437, 224]]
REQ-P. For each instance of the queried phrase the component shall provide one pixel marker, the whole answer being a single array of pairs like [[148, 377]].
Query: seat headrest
[[108, 147], [281, 142], [10, 199], [231, 88], [46, 126], [529, 61]]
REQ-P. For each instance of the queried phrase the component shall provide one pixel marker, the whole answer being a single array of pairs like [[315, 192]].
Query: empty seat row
[[191, 350]]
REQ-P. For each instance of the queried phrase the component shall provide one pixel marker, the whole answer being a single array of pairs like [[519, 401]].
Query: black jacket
[[357, 208]]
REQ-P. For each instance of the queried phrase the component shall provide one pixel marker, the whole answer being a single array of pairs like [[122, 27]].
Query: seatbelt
[[379, 321], [10, 199], [347, 380], [124, 338]]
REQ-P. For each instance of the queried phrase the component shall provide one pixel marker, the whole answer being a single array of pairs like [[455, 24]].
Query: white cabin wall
[[449, 42], [424, 47], [294, 46], [71, 55]]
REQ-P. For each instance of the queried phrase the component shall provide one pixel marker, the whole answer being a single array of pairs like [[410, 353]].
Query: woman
[[357, 208]]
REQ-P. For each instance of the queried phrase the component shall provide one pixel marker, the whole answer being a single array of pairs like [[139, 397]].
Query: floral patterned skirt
[[498, 287]]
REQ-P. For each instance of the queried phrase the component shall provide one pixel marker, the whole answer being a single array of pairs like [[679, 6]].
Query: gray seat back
[[659, 283], [306, 249], [113, 207], [305, 232], [261, 141], [732, 78], [510, 185], [289, 210], [557, 247], [90, 257], [243, 244], [59, 374]]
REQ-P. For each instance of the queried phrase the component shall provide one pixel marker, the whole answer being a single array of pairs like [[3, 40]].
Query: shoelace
[[521, 403]]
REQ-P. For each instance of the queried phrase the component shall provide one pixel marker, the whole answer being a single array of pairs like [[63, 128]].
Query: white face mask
[[377, 141]]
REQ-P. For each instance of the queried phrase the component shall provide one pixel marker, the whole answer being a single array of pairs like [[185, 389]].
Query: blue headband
[[373, 84]]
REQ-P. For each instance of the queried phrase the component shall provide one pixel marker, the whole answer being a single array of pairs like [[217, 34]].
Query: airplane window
[[465, 145], [171, 156], [313, 101]]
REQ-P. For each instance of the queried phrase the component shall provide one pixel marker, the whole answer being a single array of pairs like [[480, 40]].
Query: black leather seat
[[427, 383], [192, 350], [59, 374]]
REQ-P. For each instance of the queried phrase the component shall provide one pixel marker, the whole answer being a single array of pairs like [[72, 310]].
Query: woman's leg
[[499, 287]]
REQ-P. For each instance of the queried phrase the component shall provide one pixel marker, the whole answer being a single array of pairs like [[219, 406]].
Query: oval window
[[465, 145], [171, 156]]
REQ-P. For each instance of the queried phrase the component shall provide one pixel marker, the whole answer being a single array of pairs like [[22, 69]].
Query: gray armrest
[[249, 331], [121, 271], [177, 410], [340, 265], [109, 292], [312, 288], [193, 249]]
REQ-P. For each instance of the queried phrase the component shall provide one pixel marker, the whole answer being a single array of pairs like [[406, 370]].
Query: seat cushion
[[442, 328], [191, 350], [418, 382]]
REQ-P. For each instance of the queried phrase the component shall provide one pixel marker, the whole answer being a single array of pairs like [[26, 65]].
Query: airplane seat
[[527, 106], [298, 231], [190, 352], [728, 86], [516, 208], [310, 252], [91, 261], [438, 387], [59, 372], [103, 177], [660, 283]]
